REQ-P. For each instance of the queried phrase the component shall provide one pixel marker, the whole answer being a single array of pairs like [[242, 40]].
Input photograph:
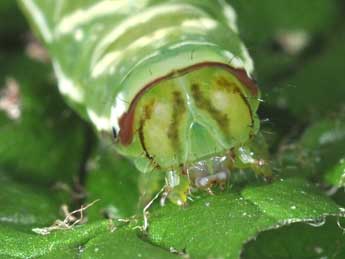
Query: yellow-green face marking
[[190, 116]]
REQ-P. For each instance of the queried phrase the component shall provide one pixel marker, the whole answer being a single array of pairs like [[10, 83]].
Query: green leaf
[[315, 88], [21, 244], [32, 147], [291, 200], [15, 25], [70, 253], [49, 143], [336, 175], [124, 243], [317, 152], [299, 241], [278, 18], [26, 205], [219, 226], [113, 180]]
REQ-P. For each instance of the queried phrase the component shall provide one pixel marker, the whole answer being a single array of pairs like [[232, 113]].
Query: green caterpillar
[[169, 79]]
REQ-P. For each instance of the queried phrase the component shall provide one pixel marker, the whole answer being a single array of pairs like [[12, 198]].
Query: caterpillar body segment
[[169, 79]]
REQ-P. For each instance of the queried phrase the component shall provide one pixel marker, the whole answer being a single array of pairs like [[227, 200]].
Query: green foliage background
[[51, 157]]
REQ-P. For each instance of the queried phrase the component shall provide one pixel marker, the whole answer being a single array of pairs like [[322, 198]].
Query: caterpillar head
[[189, 115]]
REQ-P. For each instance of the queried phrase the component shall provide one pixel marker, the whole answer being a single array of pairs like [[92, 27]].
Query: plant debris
[[35, 50], [71, 219], [10, 99]]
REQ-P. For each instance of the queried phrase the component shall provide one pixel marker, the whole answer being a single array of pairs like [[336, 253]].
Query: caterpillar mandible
[[170, 79]]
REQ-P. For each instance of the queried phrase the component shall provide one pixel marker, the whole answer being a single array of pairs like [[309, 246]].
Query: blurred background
[[49, 156]]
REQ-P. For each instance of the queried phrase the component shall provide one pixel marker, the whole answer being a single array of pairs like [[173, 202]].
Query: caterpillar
[[170, 80]]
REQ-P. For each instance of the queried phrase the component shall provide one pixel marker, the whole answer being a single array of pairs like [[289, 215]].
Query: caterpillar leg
[[210, 172], [201, 175], [177, 188], [214, 171], [253, 155]]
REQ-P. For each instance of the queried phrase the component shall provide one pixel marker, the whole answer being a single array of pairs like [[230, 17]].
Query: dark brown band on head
[[126, 127], [127, 119]]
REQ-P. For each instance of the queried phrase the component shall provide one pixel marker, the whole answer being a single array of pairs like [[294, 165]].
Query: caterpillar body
[[170, 79]]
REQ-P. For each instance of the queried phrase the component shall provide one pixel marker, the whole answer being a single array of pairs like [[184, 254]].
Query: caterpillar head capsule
[[168, 80], [191, 115]]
